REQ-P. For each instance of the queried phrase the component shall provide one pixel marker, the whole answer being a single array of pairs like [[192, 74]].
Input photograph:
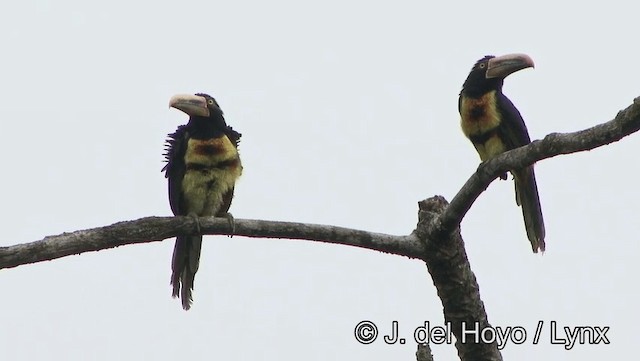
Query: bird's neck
[[475, 89], [207, 127], [478, 93]]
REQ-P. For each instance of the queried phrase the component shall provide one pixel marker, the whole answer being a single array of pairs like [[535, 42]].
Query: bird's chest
[[212, 168], [480, 120], [479, 115]]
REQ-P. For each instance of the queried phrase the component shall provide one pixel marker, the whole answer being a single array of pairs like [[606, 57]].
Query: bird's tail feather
[[184, 265], [527, 198]]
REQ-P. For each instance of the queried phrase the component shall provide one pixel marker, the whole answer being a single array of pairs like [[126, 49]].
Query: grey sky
[[348, 111]]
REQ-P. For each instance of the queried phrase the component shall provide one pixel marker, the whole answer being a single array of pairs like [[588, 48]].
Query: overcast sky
[[348, 111]]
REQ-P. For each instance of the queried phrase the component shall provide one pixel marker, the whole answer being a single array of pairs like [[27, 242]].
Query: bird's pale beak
[[502, 66], [193, 105]]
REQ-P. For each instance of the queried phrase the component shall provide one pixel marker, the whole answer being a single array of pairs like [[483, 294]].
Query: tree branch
[[458, 290], [158, 228], [424, 353], [439, 226], [626, 122], [153, 229], [436, 240]]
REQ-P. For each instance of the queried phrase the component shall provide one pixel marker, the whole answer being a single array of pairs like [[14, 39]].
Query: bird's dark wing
[[233, 136], [228, 196], [226, 203], [514, 135], [175, 168], [512, 128], [528, 199]]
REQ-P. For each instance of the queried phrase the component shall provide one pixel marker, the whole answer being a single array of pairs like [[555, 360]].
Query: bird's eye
[[210, 101], [482, 65]]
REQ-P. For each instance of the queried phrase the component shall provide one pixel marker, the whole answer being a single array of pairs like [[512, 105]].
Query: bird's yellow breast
[[479, 115], [490, 148], [480, 119], [213, 167], [209, 152]]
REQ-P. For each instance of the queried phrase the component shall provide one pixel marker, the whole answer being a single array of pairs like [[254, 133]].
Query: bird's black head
[[200, 107], [489, 72], [212, 104]]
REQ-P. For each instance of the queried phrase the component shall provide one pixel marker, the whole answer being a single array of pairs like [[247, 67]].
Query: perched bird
[[494, 125], [202, 167]]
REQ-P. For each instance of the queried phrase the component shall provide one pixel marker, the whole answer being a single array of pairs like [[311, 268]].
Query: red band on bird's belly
[[209, 148], [211, 153]]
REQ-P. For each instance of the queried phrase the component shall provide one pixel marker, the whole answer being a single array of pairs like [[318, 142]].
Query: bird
[[202, 168], [494, 125]]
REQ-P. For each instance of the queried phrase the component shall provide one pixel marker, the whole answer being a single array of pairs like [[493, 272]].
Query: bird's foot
[[481, 166], [197, 220], [232, 223]]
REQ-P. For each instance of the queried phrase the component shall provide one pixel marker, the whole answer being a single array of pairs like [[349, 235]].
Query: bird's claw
[[197, 220], [232, 223]]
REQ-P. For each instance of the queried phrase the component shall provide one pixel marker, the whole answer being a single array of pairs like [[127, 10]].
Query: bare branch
[[158, 228], [438, 226], [424, 353], [152, 229], [626, 122], [456, 284], [436, 240], [439, 222]]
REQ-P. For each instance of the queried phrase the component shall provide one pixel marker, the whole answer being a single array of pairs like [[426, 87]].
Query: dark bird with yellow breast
[[494, 125], [202, 167]]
